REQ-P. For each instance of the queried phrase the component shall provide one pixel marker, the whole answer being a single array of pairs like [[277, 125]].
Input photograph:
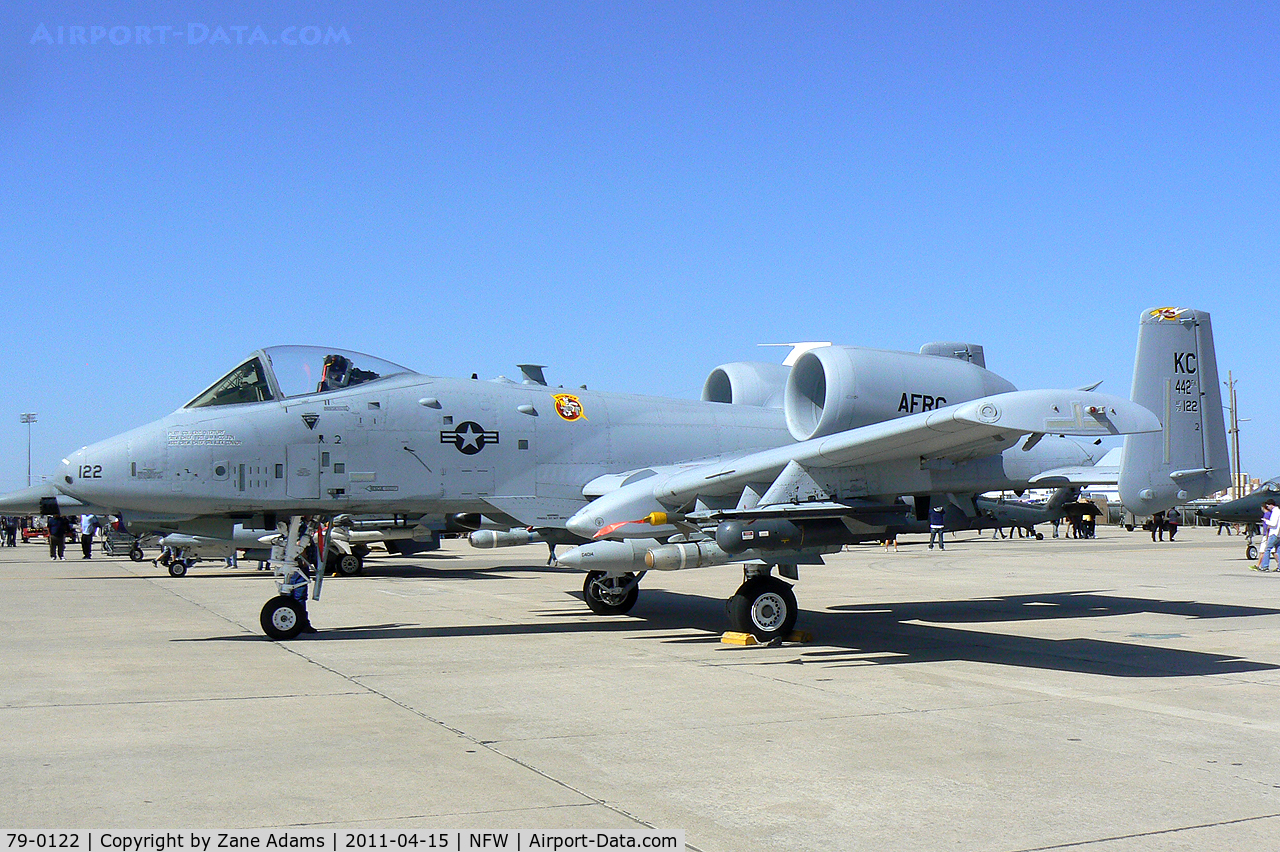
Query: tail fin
[[1175, 375]]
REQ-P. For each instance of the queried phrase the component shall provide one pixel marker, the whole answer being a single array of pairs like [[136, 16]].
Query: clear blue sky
[[630, 193]]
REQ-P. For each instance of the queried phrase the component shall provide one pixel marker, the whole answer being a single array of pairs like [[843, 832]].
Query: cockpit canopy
[[281, 372]]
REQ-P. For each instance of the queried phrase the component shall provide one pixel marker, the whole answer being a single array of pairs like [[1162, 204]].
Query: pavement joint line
[[486, 745], [208, 700], [379, 821], [370, 690], [156, 582], [367, 690], [1155, 833], [1126, 703], [771, 723]]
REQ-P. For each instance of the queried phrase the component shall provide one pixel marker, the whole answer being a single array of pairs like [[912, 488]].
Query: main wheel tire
[[602, 593], [346, 564], [765, 607], [1251, 553], [281, 618], [177, 568], [135, 553]]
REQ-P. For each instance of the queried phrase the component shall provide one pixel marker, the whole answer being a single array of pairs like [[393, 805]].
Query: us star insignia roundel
[[470, 437]]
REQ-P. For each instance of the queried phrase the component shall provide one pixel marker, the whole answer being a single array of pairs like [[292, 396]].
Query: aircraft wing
[[537, 511], [969, 430]]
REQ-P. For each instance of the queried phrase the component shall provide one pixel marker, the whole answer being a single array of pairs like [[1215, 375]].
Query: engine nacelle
[[747, 383], [843, 387]]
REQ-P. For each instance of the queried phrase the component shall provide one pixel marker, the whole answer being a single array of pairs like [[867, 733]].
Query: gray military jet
[[1244, 510], [856, 461], [45, 499], [350, 544], [798, 461]]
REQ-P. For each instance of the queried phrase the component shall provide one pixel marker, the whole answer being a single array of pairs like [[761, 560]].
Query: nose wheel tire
[[135, 553], [177, 568], [1251, 553], [281, 618], [765, 607], [605, 595]]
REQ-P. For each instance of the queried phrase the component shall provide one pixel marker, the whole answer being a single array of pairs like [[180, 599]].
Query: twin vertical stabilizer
[[1175, 375]]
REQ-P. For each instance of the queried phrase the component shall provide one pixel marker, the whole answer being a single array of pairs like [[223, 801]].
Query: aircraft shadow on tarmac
[[889, 633], [925, 631]]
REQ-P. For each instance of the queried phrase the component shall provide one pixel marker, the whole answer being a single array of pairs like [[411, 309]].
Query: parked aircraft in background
[[45, 499], [351, 540], [1244, 510], [772, 468]]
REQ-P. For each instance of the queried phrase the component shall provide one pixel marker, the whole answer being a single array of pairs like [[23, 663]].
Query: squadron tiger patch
[[569, 407]]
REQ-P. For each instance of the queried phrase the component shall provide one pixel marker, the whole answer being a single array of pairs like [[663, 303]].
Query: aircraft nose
[[63, 474], [86, 473]]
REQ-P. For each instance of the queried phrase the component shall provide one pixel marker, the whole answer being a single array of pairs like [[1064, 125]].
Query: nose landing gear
[[282, 618]]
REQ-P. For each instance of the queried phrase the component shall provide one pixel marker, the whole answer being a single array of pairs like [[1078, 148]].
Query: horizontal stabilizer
[[1105, 472]]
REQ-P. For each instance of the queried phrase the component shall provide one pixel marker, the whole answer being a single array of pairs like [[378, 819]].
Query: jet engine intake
[[755, 383], [837, 388]]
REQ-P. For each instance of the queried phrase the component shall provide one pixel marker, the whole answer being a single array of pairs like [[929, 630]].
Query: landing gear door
[[302, 471]]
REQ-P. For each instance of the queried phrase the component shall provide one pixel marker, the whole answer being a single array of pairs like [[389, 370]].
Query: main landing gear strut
[[764, 605], [609, 594]]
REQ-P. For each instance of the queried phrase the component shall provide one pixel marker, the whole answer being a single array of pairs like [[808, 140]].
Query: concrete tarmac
[[1109, 695]]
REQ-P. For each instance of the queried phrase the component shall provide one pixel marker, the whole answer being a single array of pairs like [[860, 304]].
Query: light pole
[[1236, 485], [28, 417]]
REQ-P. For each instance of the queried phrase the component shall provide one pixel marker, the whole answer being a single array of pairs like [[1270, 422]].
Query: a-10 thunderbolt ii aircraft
[[350, 539], [1245, 510], [774, 467]]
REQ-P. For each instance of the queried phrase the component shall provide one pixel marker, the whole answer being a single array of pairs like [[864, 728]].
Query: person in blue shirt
[[59, 528], [300, 579], [937, 518]]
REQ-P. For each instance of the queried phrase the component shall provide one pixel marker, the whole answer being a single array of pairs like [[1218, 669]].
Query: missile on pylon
[[689, 554], [487, 539], [612, 556]]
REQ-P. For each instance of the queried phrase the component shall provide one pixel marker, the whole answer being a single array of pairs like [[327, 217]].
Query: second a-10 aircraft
[[1246, 510], [774, 467]]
